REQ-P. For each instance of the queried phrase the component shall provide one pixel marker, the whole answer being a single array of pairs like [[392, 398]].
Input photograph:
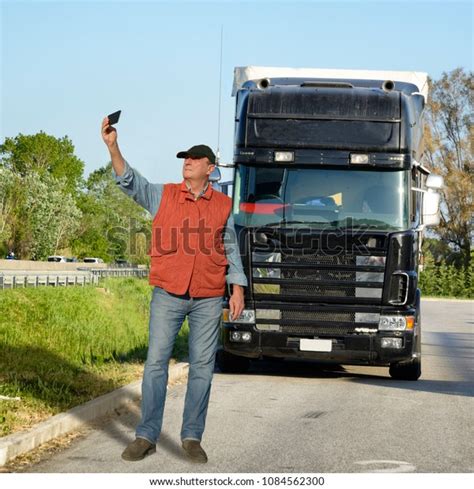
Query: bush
[[447, 281]]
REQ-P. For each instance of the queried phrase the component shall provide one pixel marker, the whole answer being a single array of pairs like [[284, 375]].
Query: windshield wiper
[[351, 223], [363, 223], [273, 224], [357, 223]]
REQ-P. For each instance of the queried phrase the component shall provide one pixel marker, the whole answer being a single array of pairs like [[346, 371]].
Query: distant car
[[72, 259], [122, 262], [93, 260], [57, 258]]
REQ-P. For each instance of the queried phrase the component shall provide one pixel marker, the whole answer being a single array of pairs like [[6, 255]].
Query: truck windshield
[[324, 198]]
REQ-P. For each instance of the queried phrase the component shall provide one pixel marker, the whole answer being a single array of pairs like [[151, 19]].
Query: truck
[[330, 196]]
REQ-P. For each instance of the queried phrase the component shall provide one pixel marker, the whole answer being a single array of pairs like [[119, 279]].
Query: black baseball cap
[[198, 151]]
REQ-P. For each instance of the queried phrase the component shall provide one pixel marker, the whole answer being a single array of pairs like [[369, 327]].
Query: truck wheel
[[231, 364], [406, 371]]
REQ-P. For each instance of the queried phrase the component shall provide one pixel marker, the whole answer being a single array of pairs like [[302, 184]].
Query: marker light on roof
[[284, 156], [358, 159]]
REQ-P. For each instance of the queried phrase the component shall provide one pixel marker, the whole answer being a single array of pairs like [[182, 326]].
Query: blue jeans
[[167, 313]]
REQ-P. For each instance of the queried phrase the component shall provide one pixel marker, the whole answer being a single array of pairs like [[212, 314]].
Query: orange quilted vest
[[187, 250]]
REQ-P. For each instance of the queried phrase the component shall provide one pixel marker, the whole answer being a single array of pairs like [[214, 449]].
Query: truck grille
[[307, 286], [301, 320], [339, 279], [296, 330]]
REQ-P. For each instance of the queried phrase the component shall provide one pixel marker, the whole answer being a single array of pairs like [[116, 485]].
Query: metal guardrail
[[117, 272], [81, 277], [10, 281]]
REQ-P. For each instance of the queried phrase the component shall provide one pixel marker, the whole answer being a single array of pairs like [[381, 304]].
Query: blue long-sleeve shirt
[[148, 195]]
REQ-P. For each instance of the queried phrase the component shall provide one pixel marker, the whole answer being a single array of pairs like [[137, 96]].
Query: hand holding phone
[[109, 133]]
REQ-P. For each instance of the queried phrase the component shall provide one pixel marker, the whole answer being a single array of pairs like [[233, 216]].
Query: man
[[189, 261]]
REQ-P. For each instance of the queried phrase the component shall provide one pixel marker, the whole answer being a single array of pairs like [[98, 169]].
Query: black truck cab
[[330, 197]]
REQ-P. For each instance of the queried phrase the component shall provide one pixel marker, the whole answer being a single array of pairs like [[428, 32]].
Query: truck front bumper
[[357, 349]]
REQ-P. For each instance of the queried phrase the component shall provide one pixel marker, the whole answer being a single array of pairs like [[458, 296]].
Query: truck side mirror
[[431, 201], [434, 181], [215, 175]]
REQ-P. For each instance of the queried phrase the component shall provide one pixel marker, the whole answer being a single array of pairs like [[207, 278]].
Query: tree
[[448, 148], [8, 185], [37, 215], [43, 154], [438, 251], [39, 179], [52, 215], [14, 213], [112, 223]]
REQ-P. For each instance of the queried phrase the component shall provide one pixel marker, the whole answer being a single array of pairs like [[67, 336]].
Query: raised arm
[[109, 135], [135, 185]]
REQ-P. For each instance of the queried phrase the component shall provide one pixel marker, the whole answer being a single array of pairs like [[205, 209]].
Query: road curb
[[18, 443], [447, 299]]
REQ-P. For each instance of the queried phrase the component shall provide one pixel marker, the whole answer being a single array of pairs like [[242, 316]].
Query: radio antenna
[[218, 155]]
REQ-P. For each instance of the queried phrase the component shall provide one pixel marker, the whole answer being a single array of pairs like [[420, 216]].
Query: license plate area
[[315, 345]]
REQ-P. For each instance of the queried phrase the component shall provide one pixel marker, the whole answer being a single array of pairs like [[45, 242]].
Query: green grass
[[60, 347]]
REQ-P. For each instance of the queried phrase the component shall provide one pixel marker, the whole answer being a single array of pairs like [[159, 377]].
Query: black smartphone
[[114, 118]]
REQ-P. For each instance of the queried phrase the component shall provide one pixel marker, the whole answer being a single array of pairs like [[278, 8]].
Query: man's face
[[197, 168]]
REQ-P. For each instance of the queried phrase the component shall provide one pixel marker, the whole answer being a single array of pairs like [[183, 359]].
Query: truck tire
[[231, 364], [406, 371]]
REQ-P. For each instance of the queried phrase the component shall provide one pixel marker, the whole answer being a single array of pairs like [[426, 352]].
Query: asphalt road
[[294, 417]]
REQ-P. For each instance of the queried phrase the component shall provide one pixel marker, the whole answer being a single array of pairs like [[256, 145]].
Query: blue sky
[[65, 65]]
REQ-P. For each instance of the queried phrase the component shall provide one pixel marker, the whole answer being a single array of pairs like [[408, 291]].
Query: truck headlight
[[247, 316], [396, 323]]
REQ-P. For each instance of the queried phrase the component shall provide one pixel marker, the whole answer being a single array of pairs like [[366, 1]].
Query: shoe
[[194, 451], [138, 450]]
